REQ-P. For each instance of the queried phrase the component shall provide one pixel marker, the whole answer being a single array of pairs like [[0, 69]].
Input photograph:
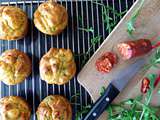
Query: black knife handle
[[102, 103]]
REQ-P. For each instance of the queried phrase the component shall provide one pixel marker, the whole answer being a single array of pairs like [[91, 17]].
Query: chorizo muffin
[[51, 18], [54, 107], [14, 108], [13, 23], [15, 66], [57, 66]]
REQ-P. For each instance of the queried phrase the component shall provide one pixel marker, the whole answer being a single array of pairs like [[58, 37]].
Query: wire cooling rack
[[83, 14]]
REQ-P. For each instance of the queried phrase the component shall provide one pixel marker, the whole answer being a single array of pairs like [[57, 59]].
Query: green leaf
[[95, 40], [108, 21], [146, 115], [139, 98], [134, 118], [87, 29], [129, 102], [135, 109], [131, 22], [84, 110], [154, 60], [85, 55], [74, 97], [157, 60], [109, 110], [102, 90], [130, 27], [152, 77]]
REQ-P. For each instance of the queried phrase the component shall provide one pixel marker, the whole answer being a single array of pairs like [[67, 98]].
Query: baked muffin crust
[[54, 107], [15, 66], [14, 108], [51, 18], [13, 23], [57, 66]]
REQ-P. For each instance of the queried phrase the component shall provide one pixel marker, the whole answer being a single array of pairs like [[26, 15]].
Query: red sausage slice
[[106, 62], [131, 49]]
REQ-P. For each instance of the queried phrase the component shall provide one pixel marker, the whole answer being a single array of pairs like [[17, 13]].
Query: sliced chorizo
[[131, 49], [106, 62]]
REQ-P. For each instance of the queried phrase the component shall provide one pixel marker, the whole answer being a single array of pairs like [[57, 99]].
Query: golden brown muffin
[[57, 66], [54, 107], [51, 18], [15, 66], [14, 108], [13, 23]]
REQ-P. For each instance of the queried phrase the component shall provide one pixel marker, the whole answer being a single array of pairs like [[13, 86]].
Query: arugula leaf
[[154, 60], [87, 29], [131, 22], [152, 77], [110, 9], [109, 110], [109, 24], [95, 40], [135, 109], [130, 26], [74, 97], [84, 110], [85, 55], [102, 90], [108, 21]]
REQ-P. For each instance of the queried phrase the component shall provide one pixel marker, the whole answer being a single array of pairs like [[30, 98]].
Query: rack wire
[[35, 44]]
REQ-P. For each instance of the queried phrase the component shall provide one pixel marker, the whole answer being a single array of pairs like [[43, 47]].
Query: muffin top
[[13, 23], [54, 107], [57, 66], [51, 18], [14, 108], [15, 66]]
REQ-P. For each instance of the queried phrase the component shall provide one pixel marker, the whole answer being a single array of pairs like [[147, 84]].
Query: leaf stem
[[147, 103]]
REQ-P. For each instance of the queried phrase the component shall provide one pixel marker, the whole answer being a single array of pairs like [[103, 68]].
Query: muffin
[[13, 23], [54, 107], [57, 66], [51, 18], [15, 66], [14, 108]]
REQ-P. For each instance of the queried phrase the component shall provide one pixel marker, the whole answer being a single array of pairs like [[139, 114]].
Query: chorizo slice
[[131, 49], [106, 62]]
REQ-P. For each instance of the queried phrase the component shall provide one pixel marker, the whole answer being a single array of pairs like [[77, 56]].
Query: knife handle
[[102, 103]]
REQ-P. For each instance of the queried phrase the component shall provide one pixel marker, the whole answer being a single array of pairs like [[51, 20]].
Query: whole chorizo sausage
[[131, 49]]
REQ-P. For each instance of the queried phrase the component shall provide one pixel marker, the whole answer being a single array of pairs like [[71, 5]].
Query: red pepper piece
[[145, 85], [157, 81]]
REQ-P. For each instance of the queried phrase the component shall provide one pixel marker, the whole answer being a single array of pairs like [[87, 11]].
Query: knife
[[113, 89]]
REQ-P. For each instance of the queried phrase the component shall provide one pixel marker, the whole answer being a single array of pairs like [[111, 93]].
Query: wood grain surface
[[147, 26]]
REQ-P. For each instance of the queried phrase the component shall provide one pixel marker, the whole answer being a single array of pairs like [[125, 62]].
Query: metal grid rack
[[35, 44]]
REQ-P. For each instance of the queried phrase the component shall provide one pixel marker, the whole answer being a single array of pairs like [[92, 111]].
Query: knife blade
[[114, 88]]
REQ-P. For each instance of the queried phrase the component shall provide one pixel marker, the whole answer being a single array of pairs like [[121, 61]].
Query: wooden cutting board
[[147, 26]]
